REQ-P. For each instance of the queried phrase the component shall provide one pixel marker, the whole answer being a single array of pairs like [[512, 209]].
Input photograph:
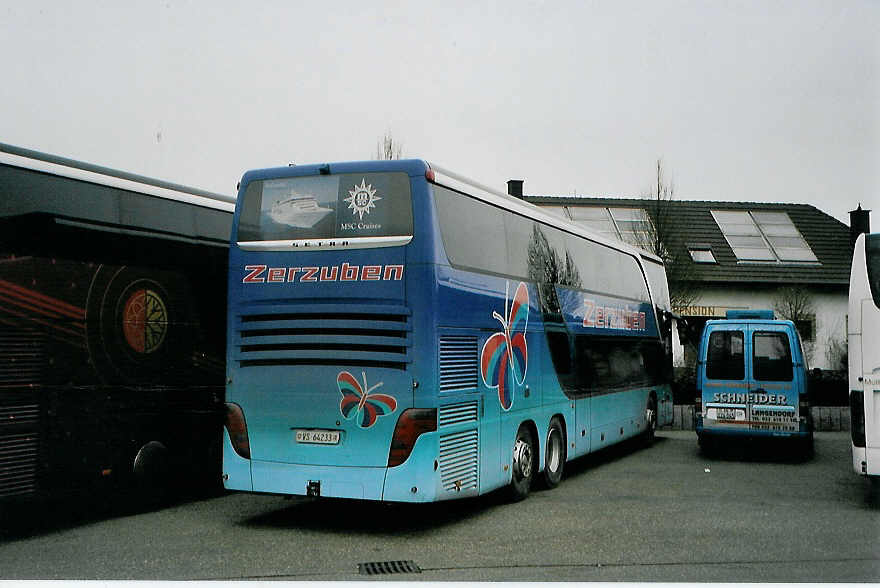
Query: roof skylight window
[[702, 255], [631, 225], [763, 236]]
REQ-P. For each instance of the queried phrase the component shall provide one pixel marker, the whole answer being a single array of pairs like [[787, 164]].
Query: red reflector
[[237, 429], [412, 423], [429, 175]]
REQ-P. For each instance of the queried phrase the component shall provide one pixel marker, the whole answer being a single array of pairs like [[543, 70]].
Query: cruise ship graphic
[[300, 211]]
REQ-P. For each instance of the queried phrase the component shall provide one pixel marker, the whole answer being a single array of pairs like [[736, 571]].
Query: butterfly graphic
[[504, 359], [358, 403]]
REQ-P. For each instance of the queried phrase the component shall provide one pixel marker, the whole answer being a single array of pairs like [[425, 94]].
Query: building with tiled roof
[[737, 255]]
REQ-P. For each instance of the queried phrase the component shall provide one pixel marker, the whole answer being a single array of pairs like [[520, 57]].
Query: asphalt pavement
[[663, 513]]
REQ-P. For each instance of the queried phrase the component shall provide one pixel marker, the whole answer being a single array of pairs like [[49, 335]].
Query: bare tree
[[388, 148], [660, 236], [794, 303]]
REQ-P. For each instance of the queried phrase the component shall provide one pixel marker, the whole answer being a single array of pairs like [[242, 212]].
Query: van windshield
[[327, 206]]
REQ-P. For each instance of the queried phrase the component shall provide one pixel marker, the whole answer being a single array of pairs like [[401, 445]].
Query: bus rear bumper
[[308, 480]]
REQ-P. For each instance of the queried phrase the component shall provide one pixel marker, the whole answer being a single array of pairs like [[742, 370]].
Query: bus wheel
[[151, 474], [523, 464], [650, 420], [554, 456]]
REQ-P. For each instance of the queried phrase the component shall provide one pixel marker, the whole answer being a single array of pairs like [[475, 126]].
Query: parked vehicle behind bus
[[112, 312], [864, 355], [399, 333], [752, 381]]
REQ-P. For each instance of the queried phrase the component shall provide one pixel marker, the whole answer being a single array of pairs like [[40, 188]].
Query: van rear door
[[774, 384], [725, 386]]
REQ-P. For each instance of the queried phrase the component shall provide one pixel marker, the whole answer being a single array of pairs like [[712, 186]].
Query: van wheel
[[806, 448], [707, 446], [523, 467], [554, 455]]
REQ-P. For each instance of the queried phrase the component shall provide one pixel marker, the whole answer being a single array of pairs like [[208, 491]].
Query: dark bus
[[112, 329]]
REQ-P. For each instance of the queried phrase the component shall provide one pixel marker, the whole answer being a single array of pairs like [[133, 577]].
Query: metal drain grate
[[375, 568]]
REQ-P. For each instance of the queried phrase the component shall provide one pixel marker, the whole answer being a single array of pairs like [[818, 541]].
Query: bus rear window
[[872, 255], [327, 206]]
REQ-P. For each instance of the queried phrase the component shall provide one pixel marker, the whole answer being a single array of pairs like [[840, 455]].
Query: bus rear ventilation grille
[[377, 568], [459, 361]]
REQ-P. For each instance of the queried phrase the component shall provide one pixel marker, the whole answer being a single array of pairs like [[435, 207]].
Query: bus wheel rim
[[522, 458]]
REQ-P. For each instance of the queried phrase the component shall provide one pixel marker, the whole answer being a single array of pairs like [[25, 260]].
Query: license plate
[[319, 437], [726, 414]]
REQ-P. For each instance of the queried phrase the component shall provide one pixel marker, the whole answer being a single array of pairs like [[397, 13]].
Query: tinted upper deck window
[[327, 206], [725, 359], [872, 255]]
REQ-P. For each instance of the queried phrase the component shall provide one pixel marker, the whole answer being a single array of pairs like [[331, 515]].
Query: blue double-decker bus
[[397, 332]]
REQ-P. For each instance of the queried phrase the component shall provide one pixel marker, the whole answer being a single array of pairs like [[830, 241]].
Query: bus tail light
[[237, 429], [412, 423], [857, 414]]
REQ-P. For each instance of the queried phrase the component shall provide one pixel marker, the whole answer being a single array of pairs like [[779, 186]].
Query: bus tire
[[650, 421], [151, 471], [522, 465], [554, 454]]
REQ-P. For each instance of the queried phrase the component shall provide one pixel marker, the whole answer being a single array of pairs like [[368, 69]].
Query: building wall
[[830, 309]]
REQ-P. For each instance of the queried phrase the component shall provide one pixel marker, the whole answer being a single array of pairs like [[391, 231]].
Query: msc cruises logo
[[362, 198]]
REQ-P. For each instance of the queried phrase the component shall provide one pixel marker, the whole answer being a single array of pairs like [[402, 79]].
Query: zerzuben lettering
[[263, 274]]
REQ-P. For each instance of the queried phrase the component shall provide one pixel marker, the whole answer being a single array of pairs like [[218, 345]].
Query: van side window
[[725, 359], [772, 357]]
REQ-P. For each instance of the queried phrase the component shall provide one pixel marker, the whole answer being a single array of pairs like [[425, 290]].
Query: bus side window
[[772, 357], [725, 358]]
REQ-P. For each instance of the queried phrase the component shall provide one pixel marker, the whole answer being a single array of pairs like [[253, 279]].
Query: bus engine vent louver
[[458, 363], [22, 357], [456, 414], [18, 464], [458, 461], [370, 335]]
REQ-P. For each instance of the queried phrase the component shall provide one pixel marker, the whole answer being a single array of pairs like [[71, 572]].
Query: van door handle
[[759, 391]]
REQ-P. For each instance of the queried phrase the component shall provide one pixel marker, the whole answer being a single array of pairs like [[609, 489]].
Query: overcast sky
[[745, 101]]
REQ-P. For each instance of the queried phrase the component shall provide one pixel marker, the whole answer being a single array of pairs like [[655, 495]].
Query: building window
[[763, 236], [807, 328], [702, 255]]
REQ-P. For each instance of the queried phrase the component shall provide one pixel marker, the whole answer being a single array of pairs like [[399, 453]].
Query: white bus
[[863, 331]]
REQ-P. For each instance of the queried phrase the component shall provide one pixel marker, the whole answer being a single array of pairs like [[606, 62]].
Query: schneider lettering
[[263, 274], [737, 398]]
